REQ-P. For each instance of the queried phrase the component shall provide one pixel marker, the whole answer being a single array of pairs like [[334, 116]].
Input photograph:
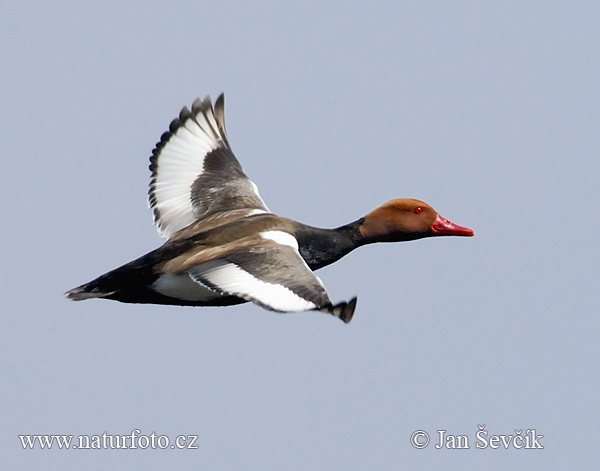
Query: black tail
[[121, 284], [131, 284]]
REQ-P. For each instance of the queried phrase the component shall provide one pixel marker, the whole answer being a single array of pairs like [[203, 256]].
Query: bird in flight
[[223, 246]]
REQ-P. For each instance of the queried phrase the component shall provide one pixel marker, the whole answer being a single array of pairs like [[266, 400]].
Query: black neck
[[321, 247]]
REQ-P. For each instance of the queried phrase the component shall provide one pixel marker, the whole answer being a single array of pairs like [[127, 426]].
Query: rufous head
[[407, 219]]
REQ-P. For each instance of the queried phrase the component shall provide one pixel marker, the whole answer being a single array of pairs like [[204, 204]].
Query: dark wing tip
[[184, 115], [343, 310], [201, 106], [205, 105], [220, 106], [220, 116]]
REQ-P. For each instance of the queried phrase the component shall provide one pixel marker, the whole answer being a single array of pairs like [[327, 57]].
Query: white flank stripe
[[283, 238], [234, 280], [183, 287]]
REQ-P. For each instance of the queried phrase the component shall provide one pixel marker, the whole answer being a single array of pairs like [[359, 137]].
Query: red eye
[[418, 210]]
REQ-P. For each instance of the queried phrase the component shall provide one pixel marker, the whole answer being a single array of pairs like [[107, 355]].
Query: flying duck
[[223, 245]]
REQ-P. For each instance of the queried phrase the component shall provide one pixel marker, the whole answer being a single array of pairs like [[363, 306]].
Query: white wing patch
[[181, 161], [195, 175], [234, 280]]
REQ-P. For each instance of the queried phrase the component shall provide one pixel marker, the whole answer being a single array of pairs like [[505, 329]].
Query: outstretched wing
[[195, 174], [271, 274]]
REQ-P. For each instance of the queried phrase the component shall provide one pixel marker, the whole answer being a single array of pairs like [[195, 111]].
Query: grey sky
[[487, 111]]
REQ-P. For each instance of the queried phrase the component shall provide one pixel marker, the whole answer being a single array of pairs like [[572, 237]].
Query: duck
[[224, 246]]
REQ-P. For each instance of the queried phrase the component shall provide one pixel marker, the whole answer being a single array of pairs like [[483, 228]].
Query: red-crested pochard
[[223, 245]]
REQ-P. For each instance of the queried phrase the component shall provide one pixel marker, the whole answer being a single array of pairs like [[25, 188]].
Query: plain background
[[486, 110]]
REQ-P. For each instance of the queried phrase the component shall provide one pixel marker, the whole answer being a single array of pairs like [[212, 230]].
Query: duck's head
[[407, 219]]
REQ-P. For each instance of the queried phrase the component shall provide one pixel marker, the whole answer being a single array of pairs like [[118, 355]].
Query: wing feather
[[195, 174], [270, 274]]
